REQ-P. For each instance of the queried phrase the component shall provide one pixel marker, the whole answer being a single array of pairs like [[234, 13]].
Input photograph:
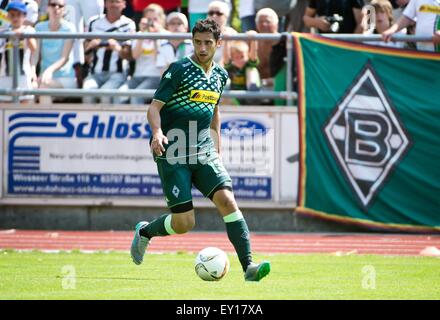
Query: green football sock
[[238, 234], [159, 227]]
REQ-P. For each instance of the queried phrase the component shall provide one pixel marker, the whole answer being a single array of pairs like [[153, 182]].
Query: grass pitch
[[76, 275]]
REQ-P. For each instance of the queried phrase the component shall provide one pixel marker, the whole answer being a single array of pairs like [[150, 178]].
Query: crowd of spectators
[[138, 64]]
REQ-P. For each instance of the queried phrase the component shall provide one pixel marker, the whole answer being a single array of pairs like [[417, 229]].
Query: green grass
[[37, 275]]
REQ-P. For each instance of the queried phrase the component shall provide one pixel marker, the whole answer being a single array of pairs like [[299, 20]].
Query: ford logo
[[238, 128]]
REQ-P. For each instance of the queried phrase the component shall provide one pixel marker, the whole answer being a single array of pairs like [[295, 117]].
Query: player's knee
[[227, 202]]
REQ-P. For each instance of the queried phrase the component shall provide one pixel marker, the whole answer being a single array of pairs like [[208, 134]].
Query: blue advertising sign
[[102, 153]]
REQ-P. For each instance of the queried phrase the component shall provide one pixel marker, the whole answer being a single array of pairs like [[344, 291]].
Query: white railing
[[289, 95]]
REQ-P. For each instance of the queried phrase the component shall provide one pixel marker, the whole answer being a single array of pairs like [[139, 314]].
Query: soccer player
[[184, 109]]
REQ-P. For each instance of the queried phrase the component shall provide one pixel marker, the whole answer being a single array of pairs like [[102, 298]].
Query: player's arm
[[153, 116], [215, 129]]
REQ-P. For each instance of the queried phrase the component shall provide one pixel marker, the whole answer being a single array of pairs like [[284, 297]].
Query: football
[[211, 264]]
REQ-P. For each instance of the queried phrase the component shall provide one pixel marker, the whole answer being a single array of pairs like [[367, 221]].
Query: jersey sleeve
[[169, 83], [224, 80]]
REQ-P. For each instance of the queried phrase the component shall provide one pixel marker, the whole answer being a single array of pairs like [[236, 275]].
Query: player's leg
[[238, 234], [176, 183], [212, 179]]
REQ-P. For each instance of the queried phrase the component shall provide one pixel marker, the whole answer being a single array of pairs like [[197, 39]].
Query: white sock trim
[[232, 217], [167, 224]]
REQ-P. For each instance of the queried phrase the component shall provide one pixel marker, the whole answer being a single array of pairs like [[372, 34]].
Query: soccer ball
[[211, 264]]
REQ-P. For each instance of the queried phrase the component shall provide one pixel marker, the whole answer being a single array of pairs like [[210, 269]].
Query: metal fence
[[289, 95]]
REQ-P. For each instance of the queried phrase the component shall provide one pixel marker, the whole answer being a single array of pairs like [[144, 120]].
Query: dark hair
[[207, 25]]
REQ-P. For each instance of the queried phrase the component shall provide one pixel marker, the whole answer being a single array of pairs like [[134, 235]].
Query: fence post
[[289, 74], [15, 67]]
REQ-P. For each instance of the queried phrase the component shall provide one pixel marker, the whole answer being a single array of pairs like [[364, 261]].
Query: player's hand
[[158, 142]]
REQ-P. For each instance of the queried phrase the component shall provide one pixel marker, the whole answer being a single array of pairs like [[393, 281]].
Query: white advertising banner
[[289, 157], [105, 153]]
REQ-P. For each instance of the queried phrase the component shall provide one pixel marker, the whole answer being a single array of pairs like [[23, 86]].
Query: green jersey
[[190, 97]]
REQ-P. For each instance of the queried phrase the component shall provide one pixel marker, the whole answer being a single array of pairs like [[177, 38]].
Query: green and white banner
[[370, 134]]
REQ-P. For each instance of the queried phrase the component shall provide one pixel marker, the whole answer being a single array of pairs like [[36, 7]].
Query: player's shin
[[238, 234], [159, 227]]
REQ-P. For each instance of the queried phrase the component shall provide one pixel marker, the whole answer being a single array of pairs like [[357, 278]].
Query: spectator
[[337, 16], [398, 7], [16, 16], [56, 65], [384, 19], [79, 13], [426, 15], [147, 73], [246, 13], [267, 22], [281, 8], [31, 12], [219, 12], [110, 57], [140, 5], [295, 21], [173, 50], [198, 9], [241, 62], [278, 69]]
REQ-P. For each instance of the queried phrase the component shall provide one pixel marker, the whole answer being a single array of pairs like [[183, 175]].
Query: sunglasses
[[55, 5], [218, 13]]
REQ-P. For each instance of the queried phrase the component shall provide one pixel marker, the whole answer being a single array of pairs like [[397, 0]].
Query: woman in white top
[[173, 50], [146, 73], [219, 12], [17, 15]]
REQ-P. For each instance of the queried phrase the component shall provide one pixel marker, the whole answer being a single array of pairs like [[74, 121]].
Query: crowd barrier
[[289, 94]]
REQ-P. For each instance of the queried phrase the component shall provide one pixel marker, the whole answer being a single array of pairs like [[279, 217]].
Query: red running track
[[299, 243]]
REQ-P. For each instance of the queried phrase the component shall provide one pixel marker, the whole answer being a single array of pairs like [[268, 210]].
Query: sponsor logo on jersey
[[204, 96]]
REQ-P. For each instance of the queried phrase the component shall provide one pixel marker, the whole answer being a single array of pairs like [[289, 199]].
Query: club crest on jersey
[[204, 96], [366, 135]]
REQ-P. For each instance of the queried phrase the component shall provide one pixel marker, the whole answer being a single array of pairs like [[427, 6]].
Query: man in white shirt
[[79, 13], [426, 14], [110, 64]]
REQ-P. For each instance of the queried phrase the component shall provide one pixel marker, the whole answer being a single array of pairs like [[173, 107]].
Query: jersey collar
[[207, 74]]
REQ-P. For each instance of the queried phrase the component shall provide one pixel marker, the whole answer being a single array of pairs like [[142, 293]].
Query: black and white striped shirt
[[107, 60]]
